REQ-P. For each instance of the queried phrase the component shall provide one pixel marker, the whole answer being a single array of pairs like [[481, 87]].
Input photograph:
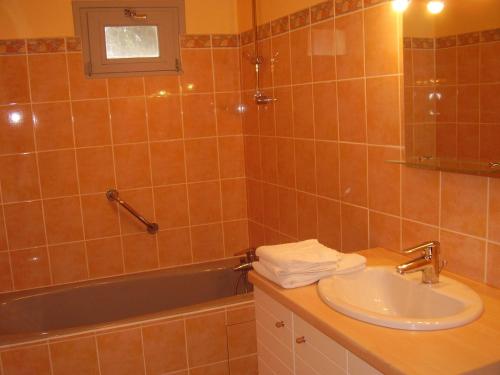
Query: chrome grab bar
[[114, 196]]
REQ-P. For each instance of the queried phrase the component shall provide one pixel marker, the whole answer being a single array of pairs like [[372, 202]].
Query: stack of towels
[[302, 263]]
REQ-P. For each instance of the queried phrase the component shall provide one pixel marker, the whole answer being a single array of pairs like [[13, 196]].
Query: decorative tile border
[[446, 41], [485, 36], [369, 3], [346, 6], [322, 11], [468, 38], [196, 41], [12, 47], [406, 42], [46, 45], [264, 31], [300, 19], [246, 37], [490, 35], [280, 25], [225, 40], [73, 44], [422, 43]]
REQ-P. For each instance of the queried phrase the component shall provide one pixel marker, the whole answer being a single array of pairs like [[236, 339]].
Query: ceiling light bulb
[[400, 5], [435, 6]]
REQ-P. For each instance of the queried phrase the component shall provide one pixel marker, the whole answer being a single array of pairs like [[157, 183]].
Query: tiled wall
[[218, 342], [316, 159], [452, 86], [171, 145], [314, 162]]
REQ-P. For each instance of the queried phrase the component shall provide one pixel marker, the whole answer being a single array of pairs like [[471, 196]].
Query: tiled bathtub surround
[[172, 145], [315, 160], [221, 341]]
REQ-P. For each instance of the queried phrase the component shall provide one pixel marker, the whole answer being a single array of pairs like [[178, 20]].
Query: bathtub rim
[[13, 340], [175, 270]]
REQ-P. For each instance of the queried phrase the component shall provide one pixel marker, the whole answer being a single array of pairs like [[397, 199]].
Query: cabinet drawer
[[269, 361], [275, 326], [273, 344], [319, 352], [274, 308]]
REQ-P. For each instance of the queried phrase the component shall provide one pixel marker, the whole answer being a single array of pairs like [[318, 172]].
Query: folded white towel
[[291, 281], [297, 256], [306, 270], [348, 263]]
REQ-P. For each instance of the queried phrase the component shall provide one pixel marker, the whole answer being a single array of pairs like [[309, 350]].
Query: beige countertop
[[475, 346]]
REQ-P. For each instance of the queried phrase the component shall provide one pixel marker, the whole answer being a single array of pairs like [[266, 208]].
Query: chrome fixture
[[133, 14], [258, 60], [247, 260], [429, 263], [244, 267], [113, 196]]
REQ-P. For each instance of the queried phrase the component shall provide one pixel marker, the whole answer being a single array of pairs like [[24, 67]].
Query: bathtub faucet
[[246, 261]]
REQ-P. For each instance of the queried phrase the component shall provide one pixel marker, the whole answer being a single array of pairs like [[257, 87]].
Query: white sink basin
[[379, 295]]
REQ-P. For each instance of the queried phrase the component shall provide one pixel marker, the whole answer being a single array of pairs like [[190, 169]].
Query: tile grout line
[[293, 139], [275, 119], [487, 245], [339, 183], [80, 201], [113, 148], [35, 146], [151, 178], [314, 139], [217, 145], [7, 250], [133, 189], [94, 336], [51, 365], [183, 131], [400, 62], [172, 140], [133, 233], [365, 117], [143, 350]]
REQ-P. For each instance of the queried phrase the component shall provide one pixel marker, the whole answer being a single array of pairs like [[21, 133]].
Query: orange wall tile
[[333, 181], [173, 146], [193, 342], [313, 163]]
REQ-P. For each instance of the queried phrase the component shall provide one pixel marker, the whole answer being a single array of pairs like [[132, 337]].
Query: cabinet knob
[[300, 340], [280, 324]]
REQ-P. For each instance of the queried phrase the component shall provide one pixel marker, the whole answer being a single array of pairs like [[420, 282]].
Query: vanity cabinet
[[288, 345]]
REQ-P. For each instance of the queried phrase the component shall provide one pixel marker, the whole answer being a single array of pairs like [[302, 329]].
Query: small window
[[129, 37]]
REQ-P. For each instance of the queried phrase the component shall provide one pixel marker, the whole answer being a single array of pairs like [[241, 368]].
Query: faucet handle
[[245, 251], [426, 247], [250, 254]]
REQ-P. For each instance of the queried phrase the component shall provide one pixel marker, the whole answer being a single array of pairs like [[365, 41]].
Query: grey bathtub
[[60, 310]]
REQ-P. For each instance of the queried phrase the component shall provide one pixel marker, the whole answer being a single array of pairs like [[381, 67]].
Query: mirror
[[451, 60]]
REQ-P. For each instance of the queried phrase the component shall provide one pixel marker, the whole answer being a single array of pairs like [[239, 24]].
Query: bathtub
[[45, 313]]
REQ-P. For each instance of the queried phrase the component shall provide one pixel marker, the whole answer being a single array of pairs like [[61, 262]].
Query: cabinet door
[[288, 345], [274, 335], [316, 353]]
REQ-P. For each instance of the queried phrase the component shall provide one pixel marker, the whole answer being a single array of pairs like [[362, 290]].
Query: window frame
[[91, 15]]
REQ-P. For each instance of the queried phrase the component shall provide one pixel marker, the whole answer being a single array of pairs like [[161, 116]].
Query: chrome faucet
[[429, 263], [247, 260]]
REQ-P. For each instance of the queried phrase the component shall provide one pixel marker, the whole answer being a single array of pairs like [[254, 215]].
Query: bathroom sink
[[380, 296]]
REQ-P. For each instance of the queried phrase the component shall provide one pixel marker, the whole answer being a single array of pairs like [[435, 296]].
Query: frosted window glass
[[128, 42]]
